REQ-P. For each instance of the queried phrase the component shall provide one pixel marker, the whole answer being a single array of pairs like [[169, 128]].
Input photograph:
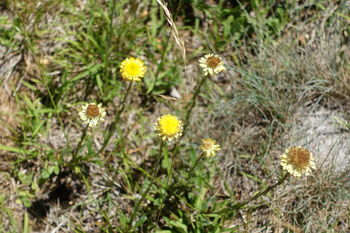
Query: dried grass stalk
[[174, 31]]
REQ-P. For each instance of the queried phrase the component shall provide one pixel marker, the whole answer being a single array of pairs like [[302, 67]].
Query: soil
[[324, 132]]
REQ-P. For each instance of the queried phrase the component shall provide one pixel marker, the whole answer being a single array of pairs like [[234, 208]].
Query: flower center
[[169, 126], [299, 157], [92, 111], [213, 62], [132, 69], [208, 145]]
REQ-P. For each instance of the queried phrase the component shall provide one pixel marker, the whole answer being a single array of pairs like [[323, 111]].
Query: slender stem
[[113, 126], [29, 45], [169, 177], [256, 196], [111, 22], [75, 152], [170, 172], [164, 51], [143, 197], [166, 188], [195, 165], [192, 104], [109, 38], [160, 65], [189, 108]]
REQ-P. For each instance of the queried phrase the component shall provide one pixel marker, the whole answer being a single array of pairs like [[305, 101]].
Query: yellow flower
[[297, 161], [169, 127], [210, 147], [211, 64], [92, 114], [132, 69]]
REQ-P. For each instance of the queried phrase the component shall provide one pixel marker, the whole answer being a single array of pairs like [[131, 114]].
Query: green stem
[[111, 23], [256, 196], [113, 126], [166, 187], [170, 172], [190, 106], [164, 51], [143, 197], [168, 181], [109, 38], [160, 65], [29, 46], [76, 151], [195, 165]]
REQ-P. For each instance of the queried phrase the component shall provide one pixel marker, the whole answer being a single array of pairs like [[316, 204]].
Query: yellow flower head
[[211, 64], [92, 114], [298, 161], [169, 127], [132, 69], [210, 147]]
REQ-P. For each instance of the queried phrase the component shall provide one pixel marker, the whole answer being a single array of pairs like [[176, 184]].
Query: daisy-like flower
[[169, 127], [132, 69], [211, 64], [92, 114], [297, 161], [210, 147]]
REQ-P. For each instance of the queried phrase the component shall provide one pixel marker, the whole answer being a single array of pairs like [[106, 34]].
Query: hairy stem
[[76, 151], [113, 126], [154, 175], [109, 38], [190, 106], [256, 196]]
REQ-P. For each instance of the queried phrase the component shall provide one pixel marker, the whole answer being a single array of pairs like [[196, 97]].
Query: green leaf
[[50, 169], [99, 84], [140, 221], [123, 220], [35, 185], [89, 70], [26, 228], [179, 226], [56, 169], [26, 202], [37, 128], [14, 149], [24, 197], [252, 177], [166, 163], [25, 178], [29, 103], [45, 174]]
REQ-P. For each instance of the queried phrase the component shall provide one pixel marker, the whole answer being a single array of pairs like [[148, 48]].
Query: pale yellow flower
[[211, 64], [168, 127], [297, 161], [210, 147], [132, 69], [92, 114]]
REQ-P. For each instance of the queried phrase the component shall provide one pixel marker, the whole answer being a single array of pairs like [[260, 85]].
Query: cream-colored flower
[[92, 114], [169, 127], [297, 161], [211, 64], [210, 147], [132, 69]]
